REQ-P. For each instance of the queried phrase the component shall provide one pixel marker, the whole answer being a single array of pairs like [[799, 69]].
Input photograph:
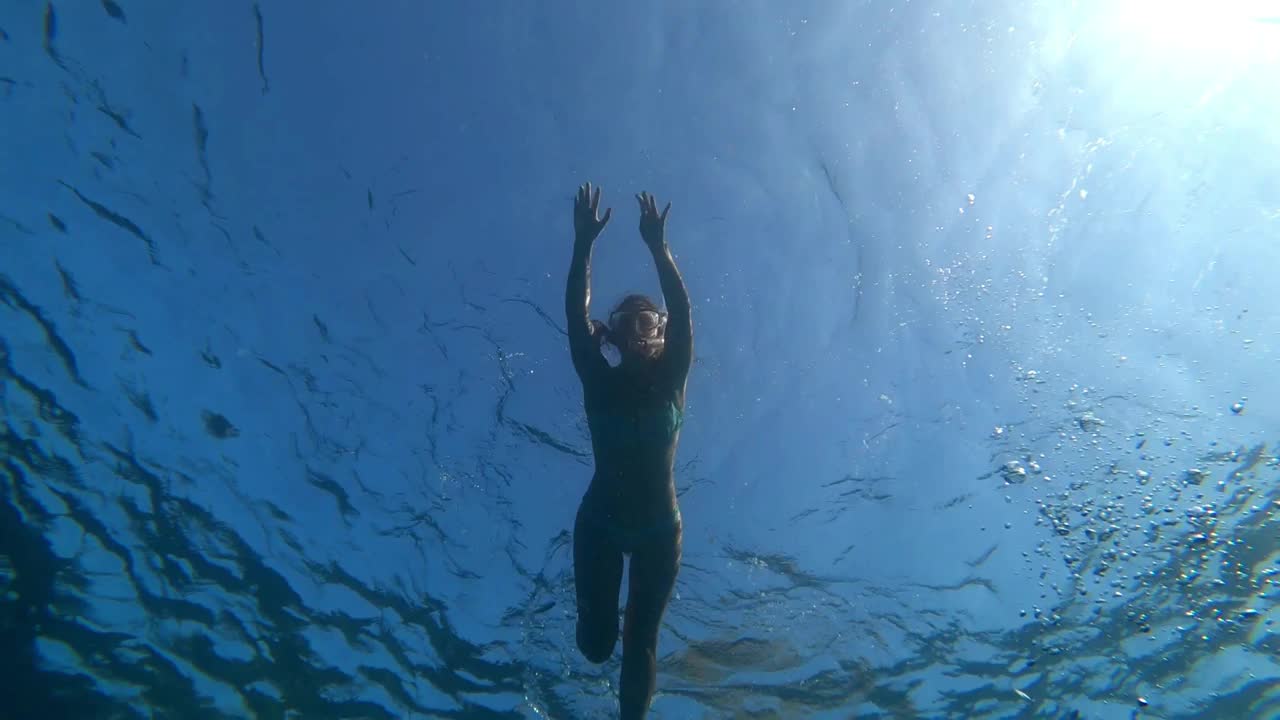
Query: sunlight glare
[[1227, 30]]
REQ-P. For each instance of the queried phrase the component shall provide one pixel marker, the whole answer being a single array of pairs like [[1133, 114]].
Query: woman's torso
[[635, 427]]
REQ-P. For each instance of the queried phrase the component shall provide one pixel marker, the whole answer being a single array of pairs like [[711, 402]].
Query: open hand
[[653, 226], [586, 224]]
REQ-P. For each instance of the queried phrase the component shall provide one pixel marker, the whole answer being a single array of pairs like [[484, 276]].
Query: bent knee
[[596, 640]]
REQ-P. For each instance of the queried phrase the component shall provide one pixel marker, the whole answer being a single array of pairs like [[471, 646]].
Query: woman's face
[[638, 331]]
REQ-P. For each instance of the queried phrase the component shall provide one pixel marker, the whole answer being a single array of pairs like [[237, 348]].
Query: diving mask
[[642, 324]]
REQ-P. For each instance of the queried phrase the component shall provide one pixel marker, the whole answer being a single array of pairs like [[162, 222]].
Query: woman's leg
[[653, 576], [597, 575]]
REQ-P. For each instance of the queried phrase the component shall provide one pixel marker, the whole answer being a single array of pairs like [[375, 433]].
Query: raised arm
[[583, 347], [677, 354]]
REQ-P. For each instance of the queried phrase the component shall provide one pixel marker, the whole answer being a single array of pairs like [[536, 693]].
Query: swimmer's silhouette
[[634, 412]]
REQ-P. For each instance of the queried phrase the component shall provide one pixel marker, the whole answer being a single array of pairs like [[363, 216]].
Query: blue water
[[982, 422]]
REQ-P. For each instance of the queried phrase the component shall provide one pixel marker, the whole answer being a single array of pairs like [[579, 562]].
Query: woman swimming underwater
[[634, 412]]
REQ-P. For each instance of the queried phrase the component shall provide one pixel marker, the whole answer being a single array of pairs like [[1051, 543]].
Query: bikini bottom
[[631, 539]]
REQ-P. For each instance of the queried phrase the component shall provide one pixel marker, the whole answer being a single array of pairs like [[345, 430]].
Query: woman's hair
[[634, 302]]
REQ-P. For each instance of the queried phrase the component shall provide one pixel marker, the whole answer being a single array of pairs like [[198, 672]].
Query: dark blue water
[[981, 425]]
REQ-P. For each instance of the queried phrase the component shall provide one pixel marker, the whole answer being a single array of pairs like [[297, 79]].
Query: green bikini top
[[648, 426]]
